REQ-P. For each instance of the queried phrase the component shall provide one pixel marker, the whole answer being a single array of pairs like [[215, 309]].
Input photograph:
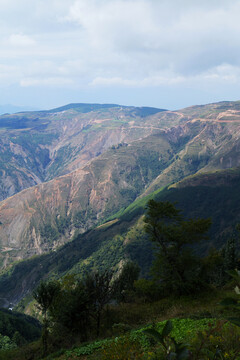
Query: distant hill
[[66, 171], [11, 109], [214, 195], [38, 146], [86, 108], [87, 166]]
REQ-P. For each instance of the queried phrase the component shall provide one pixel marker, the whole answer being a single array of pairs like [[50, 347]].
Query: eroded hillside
[[38, 146], [107, 246], [120, 154]]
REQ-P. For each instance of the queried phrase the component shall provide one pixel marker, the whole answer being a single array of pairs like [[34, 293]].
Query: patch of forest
[[103, 314]]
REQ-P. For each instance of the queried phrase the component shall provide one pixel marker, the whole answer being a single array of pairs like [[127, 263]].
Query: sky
[[162, 53]]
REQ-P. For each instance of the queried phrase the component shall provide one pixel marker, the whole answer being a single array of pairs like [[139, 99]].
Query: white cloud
[[21, 40], [119, 43], [50, 81], [146, 36], [224, 73], [115, 24], [152, 81]]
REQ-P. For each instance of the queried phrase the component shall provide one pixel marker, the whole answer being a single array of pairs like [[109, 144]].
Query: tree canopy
[[176, 266]]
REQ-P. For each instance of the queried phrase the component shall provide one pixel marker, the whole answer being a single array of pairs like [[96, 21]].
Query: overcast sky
[[162, 53]]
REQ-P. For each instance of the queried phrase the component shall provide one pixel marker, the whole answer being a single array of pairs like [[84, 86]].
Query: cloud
[[224, 73], [154, 81], [94, 44], [20, 40], [51, 82], [115, 24], [148, 36]]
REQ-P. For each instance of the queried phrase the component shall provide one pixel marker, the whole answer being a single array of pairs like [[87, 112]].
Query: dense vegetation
[[179, 261], [79, 309], [123, 236], [17, 329]]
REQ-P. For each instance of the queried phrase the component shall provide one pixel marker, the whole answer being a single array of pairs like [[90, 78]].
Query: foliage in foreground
[[175, 339], [79, 308], [185, 330], [17, 329]]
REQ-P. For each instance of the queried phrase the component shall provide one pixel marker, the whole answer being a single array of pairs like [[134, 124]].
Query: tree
[[70, 309], [99, 289], [147, 290], [18, 339], [213, 270], [176, 266], [124, 283], [230, 255], [44, 295]]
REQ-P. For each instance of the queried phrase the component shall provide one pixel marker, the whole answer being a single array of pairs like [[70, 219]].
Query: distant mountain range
[[10, 109], [84, 173]]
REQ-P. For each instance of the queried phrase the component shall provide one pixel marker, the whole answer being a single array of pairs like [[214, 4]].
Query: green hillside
[[88, 161], [17, 329], [214, 195]]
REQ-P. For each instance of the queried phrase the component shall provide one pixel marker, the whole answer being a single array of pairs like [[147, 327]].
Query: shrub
[[148, 290], [123, 348], [220, 341]]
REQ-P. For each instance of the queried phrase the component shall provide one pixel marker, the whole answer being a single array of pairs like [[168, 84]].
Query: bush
[[124, 284], [220, 341], [147, 290], [123, 348]]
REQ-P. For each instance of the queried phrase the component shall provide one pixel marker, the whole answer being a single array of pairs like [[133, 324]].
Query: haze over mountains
[[68, 170], [9, 108]]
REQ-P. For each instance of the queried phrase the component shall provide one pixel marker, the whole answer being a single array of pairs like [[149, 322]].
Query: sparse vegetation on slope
[[212, 195], [80, 308], [132, 155]]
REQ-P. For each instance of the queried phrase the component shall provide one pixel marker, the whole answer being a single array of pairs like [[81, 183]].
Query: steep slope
[[38, 146], [216, 146], [42, 218], [214, 194]]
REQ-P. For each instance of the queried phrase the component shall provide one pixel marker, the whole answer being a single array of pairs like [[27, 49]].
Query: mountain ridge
[[36, 147], [123, 157], [112, 243]]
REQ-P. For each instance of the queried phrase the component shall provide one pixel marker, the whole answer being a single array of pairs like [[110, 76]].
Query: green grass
[[84, 108], [188, 315], [106, 125], [182, 329], [136, 208], [215, 195]]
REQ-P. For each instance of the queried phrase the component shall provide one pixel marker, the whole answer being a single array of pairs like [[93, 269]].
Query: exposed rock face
[[215, 146], [38, 146], [43, 217], [146, 152]]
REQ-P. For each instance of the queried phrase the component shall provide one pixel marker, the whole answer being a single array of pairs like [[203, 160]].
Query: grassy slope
[[188, 314], [106, 246], [216, 195], [81, 199], [212, 195]]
